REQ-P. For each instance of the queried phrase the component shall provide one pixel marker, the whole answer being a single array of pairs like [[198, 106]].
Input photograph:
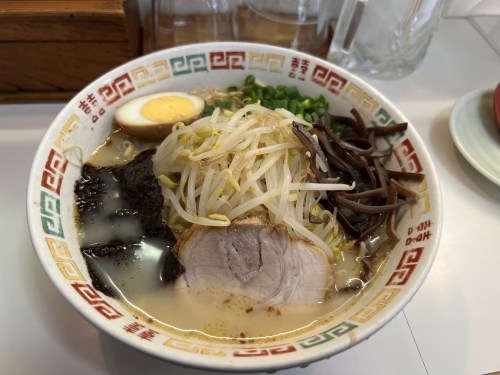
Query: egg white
[[130, 118]]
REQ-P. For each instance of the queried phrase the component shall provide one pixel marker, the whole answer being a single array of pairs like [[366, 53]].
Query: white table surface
[[452, 326]]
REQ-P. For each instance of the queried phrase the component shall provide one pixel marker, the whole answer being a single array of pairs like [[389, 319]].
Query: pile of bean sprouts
[[236, 164]]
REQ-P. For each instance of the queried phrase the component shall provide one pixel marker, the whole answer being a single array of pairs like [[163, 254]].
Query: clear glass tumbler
[[384, 39], [178, 22], [301, 25]]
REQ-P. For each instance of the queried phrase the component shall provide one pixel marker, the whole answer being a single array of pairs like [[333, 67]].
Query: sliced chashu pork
[[257, 260]]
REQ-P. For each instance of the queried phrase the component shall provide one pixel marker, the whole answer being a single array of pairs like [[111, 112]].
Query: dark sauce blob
[[119, 211]]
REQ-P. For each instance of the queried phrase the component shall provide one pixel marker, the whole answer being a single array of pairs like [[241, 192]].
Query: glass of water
[[384, 39], [178, 22], [302, 25]]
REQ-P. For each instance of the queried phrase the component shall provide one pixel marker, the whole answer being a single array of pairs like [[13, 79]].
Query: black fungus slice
[[352, 156]]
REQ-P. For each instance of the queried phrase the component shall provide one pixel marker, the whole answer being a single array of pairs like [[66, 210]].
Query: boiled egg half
[[152, 116]]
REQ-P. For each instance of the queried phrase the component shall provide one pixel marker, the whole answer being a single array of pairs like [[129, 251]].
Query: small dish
[[472, 126]]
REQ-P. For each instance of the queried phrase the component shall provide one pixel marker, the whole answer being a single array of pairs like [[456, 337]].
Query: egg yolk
[[167, 108]]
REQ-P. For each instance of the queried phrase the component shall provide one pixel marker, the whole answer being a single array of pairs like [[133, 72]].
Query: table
[[451, 326]]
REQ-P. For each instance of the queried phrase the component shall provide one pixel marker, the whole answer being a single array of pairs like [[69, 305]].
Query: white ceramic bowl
[[86, 121]]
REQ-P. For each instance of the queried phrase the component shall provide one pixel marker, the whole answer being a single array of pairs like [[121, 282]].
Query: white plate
[[472, 126]]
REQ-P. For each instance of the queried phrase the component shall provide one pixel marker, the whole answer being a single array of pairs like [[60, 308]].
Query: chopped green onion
[[280, 103], [320, 111], [300, 109], [307, 103], [292, 92], [209, 109], [250, 80], [223, 104], [336, 127], [270, 90], [266, 103], [281, 96], [247, 91], [292, 106], [259, 93]]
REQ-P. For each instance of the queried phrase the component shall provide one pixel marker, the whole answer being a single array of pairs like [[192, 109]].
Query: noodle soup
[[231, 165], [319, 316]]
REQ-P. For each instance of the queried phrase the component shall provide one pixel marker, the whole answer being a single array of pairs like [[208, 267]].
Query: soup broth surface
[[135, 278], [208, 314]]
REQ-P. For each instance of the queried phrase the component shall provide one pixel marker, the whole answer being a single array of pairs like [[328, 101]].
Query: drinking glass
[[302, 25], [177, 22], [384, 38]]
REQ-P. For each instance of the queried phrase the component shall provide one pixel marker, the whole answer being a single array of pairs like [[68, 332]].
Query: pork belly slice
[[253, 258]]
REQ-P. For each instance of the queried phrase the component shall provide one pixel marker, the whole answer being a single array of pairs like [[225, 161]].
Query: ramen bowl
[[87, 120]]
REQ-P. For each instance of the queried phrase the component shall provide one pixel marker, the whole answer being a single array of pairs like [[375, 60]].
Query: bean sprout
[[232, 165]]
